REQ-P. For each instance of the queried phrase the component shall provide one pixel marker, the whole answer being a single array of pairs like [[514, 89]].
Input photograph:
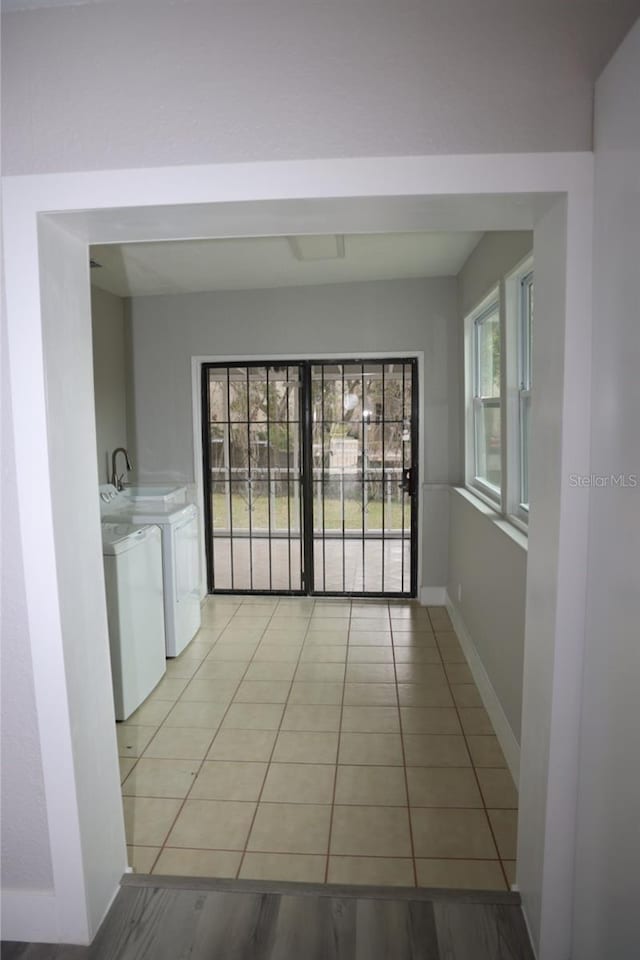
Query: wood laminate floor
[[169, 920]]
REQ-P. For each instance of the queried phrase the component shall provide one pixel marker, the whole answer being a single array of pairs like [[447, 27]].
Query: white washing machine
[[180, 558], [135, 610]]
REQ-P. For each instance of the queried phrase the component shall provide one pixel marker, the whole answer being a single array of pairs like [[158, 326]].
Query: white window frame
[[511, 295], [474, 402], [518, 387]]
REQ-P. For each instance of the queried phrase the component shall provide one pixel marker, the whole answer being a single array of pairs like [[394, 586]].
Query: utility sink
[[160, 493]]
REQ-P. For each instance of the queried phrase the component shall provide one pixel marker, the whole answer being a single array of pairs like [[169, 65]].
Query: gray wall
[[345, 89], [496, 254], [488, 564], [110, 383], [606, 912], [491, 569], [402, 315], [211, 81]]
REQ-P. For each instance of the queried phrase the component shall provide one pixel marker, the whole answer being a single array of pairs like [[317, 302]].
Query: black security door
[[310, 477]]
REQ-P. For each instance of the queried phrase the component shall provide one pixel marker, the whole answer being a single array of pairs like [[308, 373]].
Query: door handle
[[407, 483]]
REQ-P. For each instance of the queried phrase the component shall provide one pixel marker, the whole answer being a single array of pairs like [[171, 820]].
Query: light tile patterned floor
[[324, 740]]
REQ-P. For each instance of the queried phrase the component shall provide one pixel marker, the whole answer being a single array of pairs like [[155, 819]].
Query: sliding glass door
[[310, 477]]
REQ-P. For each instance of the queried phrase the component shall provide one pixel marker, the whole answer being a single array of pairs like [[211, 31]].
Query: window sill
[[501, 522]]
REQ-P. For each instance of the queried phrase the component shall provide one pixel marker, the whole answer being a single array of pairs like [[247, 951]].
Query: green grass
[[332, 514]]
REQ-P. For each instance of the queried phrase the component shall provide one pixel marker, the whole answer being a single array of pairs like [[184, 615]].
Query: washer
[[133, 580], [180, 559]]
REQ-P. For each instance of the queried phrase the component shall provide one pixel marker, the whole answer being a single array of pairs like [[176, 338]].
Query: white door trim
[[508, 191], [196, 368]]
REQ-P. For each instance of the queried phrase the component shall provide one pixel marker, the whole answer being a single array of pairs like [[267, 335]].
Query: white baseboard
[[29, 915], [501, 725], [433, 596]]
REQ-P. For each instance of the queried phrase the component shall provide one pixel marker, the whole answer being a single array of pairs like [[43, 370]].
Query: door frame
[[48, 325], [197, 364], [307, 528]]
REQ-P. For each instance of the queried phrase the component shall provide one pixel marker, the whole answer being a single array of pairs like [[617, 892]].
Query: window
[[486, 354], [498, 337], [525, 320]]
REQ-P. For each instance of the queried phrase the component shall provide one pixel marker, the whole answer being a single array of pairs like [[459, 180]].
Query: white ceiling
[[253, 263]]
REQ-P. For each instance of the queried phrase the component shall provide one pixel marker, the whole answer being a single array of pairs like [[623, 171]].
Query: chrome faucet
[[116, 480]]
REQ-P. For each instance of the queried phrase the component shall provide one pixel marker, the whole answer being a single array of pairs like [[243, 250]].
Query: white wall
[[606, 909], [26, 861], [488, 564], [556, 572], [110, 383], [205, 82], [401, 315], [84, 790]]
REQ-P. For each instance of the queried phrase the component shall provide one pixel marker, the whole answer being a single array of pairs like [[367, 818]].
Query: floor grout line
[[335, 774], [275, 741], [360, 856], [332, 763], [404, 760], [328, 803]]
